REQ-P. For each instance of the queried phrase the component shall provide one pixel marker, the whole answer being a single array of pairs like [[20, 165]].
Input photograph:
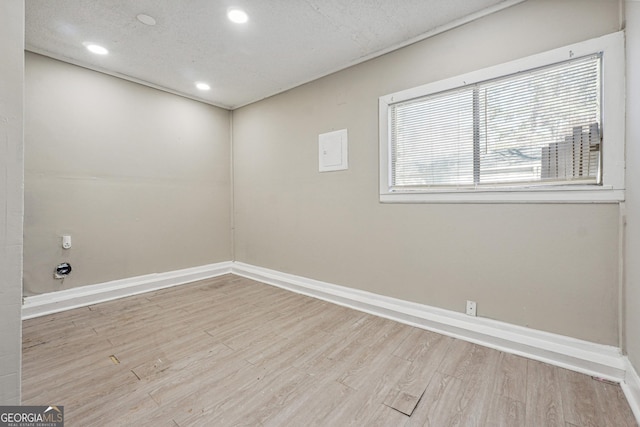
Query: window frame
[[613, 133]]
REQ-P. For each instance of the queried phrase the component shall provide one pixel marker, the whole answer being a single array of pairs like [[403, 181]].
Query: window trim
[[613, 121]]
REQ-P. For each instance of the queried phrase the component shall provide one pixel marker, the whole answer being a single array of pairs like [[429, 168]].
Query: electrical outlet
[[471, 308]]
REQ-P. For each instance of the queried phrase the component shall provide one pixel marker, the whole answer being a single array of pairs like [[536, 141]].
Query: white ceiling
[[285, 43]]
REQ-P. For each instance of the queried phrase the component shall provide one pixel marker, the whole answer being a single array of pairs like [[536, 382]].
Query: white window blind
[[539, 127]]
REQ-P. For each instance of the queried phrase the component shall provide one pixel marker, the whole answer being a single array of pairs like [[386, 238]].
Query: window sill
[[546, 195]]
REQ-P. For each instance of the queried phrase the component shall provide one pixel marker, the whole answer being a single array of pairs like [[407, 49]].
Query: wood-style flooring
[[230, 351]]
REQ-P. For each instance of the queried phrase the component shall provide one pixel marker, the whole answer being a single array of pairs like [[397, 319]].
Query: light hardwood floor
[[230, 351]]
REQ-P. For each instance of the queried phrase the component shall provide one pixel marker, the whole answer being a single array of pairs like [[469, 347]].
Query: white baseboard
[[40, 305], [631, 388], [593, 359]]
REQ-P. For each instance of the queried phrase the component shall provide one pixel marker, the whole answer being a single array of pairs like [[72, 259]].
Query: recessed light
[[94, 48], [203, 86], [238, 16], [146, 19]]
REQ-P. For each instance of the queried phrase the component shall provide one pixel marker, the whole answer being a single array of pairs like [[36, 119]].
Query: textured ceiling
[[285, 43]]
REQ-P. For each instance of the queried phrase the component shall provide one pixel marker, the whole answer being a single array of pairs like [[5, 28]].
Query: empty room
[[320, 212]]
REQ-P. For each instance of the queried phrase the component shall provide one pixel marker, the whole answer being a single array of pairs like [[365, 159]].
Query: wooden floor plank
[[370, 392], [367, 367], [427, 355], [476, 367], [612, 403], [511, 377], [544, 396], [210, 370], [283, 350], [440, 404], [343, 347], [205, 396], [233, 351], [249, 398], [505, 412], [416, 343], [310, 403], [579, 399], [277, 399], [384, 416]]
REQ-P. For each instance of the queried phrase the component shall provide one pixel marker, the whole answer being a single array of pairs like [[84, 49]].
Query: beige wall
[[632, 273], [550, 267], [11, 197], [139, 178]]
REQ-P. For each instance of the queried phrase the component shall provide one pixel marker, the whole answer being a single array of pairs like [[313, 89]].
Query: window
[[544, 128]]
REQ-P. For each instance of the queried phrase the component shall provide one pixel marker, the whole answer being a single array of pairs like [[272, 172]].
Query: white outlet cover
[[471, 308]]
